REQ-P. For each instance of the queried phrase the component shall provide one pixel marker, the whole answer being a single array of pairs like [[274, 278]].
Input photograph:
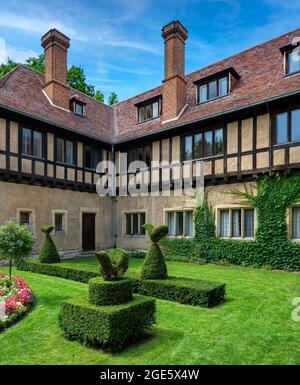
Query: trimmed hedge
[[48, 252], [109, 292], [56, 270], [106, 326], [182, 290]]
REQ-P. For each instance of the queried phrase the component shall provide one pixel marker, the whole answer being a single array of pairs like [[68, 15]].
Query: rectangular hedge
[[106, 326], [56, 270], [182, 290]]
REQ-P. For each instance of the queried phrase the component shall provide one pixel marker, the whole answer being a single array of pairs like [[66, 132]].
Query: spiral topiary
[[113, 264], [48, 252], [154, 266]]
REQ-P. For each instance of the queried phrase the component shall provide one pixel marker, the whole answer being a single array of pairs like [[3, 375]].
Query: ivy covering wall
[[271, 247]]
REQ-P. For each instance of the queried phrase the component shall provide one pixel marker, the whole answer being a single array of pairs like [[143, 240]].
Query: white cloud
[[38, 26], [16, 54]]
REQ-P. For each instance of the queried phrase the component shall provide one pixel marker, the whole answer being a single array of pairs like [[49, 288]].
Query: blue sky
[[119, 44]]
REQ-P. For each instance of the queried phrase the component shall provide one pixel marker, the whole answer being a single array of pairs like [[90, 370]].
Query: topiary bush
[[103, 293], [113, 264], [48, 252], [109, 327], [154, 266]]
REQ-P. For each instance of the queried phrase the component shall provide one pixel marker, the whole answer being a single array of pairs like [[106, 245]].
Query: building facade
[[240, 116]]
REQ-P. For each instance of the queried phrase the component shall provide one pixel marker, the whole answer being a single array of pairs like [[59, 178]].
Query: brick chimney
[[174, 84], [56, 45]]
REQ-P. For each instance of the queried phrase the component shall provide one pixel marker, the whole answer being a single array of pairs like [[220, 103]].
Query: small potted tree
[[16, 241]]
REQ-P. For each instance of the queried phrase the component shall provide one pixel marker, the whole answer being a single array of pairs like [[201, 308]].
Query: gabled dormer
[[77, 106]]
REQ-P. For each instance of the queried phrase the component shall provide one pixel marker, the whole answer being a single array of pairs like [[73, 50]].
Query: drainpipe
[[114, 200]]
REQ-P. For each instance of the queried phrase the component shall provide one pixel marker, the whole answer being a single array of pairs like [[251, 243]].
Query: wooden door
[[88, 232]]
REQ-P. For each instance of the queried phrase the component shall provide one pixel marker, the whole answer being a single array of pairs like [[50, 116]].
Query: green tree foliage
[[113, 265], [16, 241], [112, 99], [48, 252], [154, 266], [6, 67], [75, 76]]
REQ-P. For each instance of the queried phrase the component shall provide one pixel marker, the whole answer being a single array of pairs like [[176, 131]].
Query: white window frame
[[65, 221], [230, 208], [175, 211], [124, 216]]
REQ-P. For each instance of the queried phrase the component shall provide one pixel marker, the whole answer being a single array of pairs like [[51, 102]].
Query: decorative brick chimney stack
[[174, 84], [56, 45]]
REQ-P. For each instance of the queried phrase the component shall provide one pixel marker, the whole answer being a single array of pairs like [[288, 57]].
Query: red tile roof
[[260, 68], [22, 89]]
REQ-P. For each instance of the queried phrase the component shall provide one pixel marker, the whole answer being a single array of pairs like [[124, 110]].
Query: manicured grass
[[253, 326]]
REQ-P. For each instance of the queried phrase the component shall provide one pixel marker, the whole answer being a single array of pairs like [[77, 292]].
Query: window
[[91, 157], [32, 143], [78, 109], [203, 145], [59, 221], [236, 223], [213, 89], [293, 61], [180, 223], [287, 126], [142, 154], [134, 224], [296, 223], [64, 151], [148, 111], [25, 218]]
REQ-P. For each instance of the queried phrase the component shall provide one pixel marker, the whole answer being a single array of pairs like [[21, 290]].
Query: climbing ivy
[[271, 247]]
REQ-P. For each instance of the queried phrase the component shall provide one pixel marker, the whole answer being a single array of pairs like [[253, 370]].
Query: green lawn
[[253, 326]]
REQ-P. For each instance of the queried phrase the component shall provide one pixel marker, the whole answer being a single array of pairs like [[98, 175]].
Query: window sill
[[148, 120], [180, 236], [33, 157], [211, 100], [65, 164], [135, 236], [237, 238], [292, 73]]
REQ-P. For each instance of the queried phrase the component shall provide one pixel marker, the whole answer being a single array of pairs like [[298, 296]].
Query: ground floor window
[[180, 223], [134, 223], [236, 223], [59, 222], [296, 222], [25, 218]]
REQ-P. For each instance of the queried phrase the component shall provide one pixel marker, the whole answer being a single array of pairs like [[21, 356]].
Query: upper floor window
[[142, 153], [79, 109], [287, 126], [77, 106], [32, 143], [180, 223], [236, 223], [91, 157], [64, 151], [213, 89], [203, 144], [148, 110], [293, 61]]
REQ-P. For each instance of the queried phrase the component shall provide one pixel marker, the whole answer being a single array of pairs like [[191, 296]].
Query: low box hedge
[[109, 292], [182, 290], [56, 270], [109, 327]]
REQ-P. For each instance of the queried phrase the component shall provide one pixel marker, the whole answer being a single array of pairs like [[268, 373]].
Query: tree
[[99, 96], [76, 79], [6, 67], [36, 63], [16, 241], [112, 99], [48, 252]]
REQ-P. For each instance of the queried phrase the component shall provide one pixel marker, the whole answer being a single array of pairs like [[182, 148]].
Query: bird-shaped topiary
[[48, 252], [113, 264], [154, 266]]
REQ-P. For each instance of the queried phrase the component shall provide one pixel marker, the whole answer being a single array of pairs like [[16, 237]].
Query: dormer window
[[77, 106], [291, 54], [216, 85], [149, 109]]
